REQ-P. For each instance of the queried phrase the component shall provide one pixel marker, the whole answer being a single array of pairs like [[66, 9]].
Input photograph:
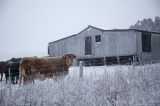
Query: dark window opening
[[126, 60], [111, 61], [98, 38], [88, 46], [146, 42], [92, 61], [123, 60]]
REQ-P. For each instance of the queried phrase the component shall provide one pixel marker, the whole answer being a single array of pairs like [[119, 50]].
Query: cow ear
[[64, 57]]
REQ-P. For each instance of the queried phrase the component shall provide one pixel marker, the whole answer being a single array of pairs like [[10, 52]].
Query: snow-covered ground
[[100, 86]]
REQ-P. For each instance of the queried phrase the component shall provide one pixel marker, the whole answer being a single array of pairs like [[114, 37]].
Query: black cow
[[13, 66], [2, 68]]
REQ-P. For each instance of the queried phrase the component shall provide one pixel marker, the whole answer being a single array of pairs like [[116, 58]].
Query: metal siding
[[70, 45], [155, 49], [155, 43], [119, 43], [81, 43], [113, 43]]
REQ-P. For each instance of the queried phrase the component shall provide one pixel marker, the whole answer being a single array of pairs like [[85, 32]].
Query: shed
[[97, 46]]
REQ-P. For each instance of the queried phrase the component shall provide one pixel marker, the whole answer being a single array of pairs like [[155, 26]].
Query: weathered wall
[[81, 43], [156, 46], [62, 47], [119, 43], [113, 43]]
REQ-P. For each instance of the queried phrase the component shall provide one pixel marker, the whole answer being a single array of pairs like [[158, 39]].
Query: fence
[[146, 62], [109, 60], [12, 74], [35, 72], [114, 61]]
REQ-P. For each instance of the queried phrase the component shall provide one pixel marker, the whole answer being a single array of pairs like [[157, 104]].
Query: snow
[[102, 86]]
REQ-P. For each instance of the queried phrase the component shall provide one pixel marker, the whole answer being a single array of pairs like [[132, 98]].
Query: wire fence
[[30, 73], [145, 62], [102, 62], [54, 72]]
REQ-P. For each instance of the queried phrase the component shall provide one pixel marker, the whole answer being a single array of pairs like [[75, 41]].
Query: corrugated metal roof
[[89, 26]]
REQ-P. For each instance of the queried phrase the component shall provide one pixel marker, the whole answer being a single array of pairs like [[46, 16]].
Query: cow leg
[[33, 81], [55, 76], [1, 76], [12, 79], [7, 79], [20, 79], [21, 75], [32, 78], [25, 80], [17, 77], [65, 73], [29, 79]]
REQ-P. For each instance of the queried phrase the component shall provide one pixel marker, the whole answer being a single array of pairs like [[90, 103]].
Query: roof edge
[[90, 26], [62, 38]]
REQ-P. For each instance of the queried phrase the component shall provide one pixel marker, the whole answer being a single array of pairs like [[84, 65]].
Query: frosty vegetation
[[100, 86], [148, 25]]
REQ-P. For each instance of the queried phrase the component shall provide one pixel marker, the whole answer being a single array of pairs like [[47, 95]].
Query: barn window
[[98, 38], [146, 42], [88, 46]]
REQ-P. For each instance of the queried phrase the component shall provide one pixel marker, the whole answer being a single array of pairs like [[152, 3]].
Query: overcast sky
[[27, 26]]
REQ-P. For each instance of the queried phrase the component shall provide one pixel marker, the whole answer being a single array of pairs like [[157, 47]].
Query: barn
[[97, 46]]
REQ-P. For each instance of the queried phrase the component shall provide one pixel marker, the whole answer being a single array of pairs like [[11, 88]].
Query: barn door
[[88, 46]]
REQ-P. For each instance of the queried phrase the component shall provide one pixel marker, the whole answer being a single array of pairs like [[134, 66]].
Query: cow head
[[69, 59]]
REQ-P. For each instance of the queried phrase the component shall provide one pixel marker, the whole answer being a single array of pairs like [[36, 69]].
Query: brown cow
[[33, 67], [2, 68]]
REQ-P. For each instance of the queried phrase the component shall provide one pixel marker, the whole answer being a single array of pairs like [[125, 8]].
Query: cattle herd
[[27, 69]]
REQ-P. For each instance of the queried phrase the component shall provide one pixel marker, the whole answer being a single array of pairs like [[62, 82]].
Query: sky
[[27, 26]]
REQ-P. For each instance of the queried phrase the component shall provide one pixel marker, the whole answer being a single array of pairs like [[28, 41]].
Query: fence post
[[81, 69], [9, 72], [133, 61], [118, 60], [104, 61]]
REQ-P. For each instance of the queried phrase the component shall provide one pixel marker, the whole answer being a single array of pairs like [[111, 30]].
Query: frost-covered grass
[[100, 86]]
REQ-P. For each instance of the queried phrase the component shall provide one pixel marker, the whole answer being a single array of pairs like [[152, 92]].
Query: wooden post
[[9, 81], [104, 61], [81, 69], [118, 60]]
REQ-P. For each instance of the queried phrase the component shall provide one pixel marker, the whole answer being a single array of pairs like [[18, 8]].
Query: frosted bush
[[103, 86]]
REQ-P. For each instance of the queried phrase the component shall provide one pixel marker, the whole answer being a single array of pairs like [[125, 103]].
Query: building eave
[[112, 30]]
